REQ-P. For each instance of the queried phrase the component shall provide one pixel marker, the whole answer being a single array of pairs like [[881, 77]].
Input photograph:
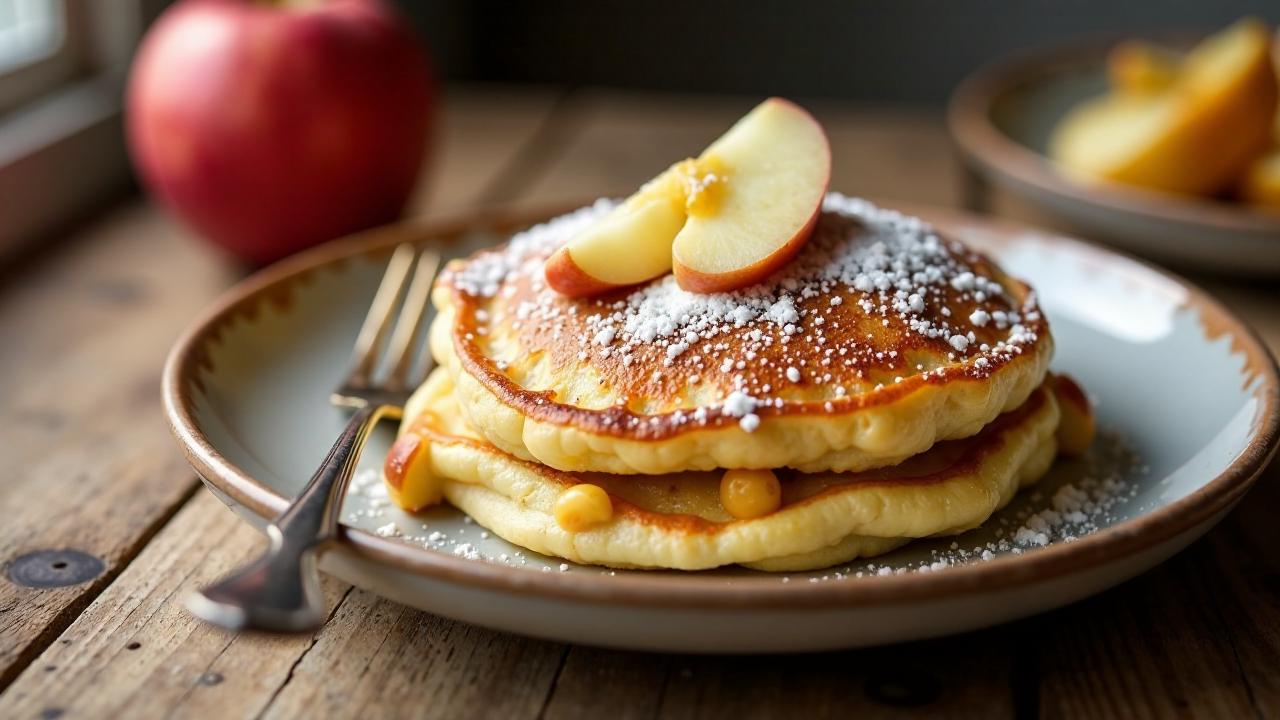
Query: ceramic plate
[[1186, 395], [1001, 118]]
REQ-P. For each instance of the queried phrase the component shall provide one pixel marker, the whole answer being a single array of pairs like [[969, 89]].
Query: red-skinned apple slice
[[778, 164], [628, 246], [723, 221]]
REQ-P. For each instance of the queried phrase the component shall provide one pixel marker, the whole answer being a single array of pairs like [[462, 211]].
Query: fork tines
[[367, 359]]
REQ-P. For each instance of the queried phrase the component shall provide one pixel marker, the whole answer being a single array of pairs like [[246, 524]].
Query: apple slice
[[1138, 67], [722, 221], [774, 166], [629, 245], [1196, 137]]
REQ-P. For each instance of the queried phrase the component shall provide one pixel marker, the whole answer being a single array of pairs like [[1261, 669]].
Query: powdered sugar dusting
[[832, 318], [1088, 496], [483, 275]]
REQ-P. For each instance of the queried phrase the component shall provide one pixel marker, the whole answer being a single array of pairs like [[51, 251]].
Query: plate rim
[[694, 591], [994, 152]]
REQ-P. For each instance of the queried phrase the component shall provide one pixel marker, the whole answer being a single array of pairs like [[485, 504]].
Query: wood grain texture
[[1198, 636], [88, 462], [965, 676], [1143, 651], [377, 658], [135, 652], [1245, 553]]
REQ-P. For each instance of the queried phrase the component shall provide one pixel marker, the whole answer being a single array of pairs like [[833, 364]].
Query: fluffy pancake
[[677, 521], [879, 339]]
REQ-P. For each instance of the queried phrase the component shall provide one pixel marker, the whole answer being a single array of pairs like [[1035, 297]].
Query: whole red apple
[[273, 126]]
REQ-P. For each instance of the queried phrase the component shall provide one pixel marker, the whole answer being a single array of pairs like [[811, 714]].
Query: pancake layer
[[878, 340], [677, 521]]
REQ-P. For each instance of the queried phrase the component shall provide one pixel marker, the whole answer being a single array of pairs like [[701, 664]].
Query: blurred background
[[911, 51], [63, 64]]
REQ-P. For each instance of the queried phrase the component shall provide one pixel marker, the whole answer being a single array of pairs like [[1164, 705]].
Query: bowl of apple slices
[[1170, 148]]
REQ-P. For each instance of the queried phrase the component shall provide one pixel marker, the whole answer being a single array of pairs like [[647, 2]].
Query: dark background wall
[[869, 50]]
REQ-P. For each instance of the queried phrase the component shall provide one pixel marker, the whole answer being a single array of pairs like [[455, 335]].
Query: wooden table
[[89, 466]]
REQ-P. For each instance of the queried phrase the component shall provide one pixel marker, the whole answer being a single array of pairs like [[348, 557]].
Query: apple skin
[[565, 277], [700, 282], [270, 129]]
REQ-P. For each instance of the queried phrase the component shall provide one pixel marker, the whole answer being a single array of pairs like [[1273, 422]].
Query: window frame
[[28, 78], [62, 149]]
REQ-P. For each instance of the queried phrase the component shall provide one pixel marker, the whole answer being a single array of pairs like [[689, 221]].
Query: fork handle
[[280, 590], [312, 518]]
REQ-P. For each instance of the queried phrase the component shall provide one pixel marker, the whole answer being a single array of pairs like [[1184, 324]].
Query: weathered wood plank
[[135, 652], [1153, 648], [377, 658], [619, 685], [89, 464], [966, 676], [1246, 552]]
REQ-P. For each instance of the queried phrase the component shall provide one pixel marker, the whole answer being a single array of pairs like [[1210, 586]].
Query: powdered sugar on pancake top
[[892, 266], [483, 275]]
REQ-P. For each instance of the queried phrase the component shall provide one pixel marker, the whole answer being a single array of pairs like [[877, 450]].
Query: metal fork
[[280, 590]]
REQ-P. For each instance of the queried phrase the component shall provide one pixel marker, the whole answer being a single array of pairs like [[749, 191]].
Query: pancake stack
[[886, 384]]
